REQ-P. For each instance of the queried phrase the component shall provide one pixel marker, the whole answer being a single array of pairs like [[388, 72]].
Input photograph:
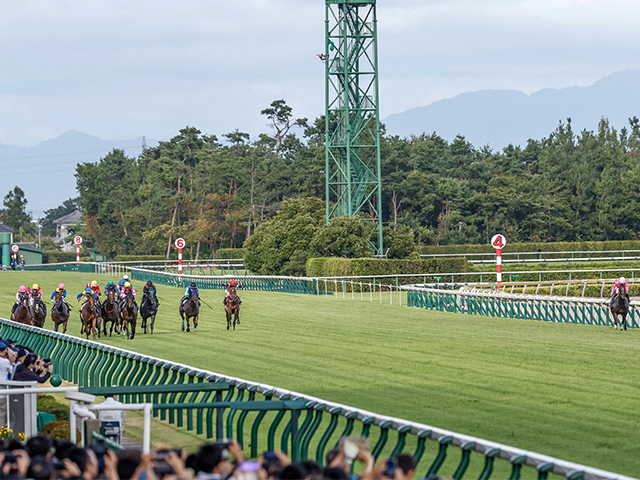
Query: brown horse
[[39, 312], [90, 316], [129, 315], [232, 307], [111, 313], [190, 309], [59, 313], [620, 306], [22, 313]]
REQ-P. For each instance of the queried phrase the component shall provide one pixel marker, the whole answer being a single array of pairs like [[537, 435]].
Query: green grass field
[[569, 391]]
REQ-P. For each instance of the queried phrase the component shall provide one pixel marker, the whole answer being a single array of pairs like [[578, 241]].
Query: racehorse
[[59, 313], [111, 313], [149, 309], [39, 312], [22, 313], [90, 316], [232, 307], [129, 315], [620, 306], [190, 309]]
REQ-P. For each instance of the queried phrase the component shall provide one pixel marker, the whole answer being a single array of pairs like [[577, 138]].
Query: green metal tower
[[352, 135]]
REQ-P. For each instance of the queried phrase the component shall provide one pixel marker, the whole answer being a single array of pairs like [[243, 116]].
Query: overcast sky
[[121, 69]]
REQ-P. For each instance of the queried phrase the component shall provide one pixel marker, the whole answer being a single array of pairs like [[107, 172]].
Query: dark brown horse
[[22, 313], [111, 313], [620, 306], [232, 307], [190, 309], [39, 310], [90, 316], [129, 315], [59, 313]]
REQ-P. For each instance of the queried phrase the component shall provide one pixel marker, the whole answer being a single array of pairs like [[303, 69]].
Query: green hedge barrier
[[59, 257], [532, 247], [342, 267], [226, 253], [138, 258]]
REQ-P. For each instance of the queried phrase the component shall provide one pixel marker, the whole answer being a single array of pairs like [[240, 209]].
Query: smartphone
[[270, 457]]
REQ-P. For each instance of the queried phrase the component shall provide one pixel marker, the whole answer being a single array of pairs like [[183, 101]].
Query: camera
[[160, 465], [390, 468]]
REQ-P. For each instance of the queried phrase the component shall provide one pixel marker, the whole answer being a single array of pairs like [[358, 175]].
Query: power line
[[63, 154]]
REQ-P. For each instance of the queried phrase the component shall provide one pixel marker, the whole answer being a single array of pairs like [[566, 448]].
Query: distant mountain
[[46, 171], [499, 117]]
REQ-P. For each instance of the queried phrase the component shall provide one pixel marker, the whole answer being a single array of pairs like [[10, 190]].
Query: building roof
[[6, 228], [72, 218]]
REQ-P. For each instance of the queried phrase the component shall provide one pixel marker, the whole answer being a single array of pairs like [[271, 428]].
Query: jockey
[[128, 288], [86, 294], [63, 292], [617, 287], [95, 287], [125, 279], [191, 290], [120, 286], [36, 291], [233, 284], [22, 295], [111, 287], [149, 288]]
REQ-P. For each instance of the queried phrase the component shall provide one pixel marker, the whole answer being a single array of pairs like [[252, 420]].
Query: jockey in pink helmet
[[62, 290], [621, 286], [22, 295]]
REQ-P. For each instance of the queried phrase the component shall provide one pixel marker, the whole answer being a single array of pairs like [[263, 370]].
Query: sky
[[122, 69]]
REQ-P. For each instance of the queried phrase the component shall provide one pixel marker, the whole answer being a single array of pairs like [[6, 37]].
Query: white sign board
[[15, 248], [77, 240], [498, 242], [180, 243]]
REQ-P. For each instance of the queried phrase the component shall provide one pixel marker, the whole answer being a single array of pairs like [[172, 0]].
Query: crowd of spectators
[[43, 458]]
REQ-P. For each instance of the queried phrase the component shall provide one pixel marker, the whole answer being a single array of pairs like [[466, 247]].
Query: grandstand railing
[[88, 363], [541, 257]]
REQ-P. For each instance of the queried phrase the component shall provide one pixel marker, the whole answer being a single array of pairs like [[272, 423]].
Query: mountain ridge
[[501, 117]]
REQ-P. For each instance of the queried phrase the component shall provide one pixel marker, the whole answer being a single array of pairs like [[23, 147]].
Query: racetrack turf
[[570, 391]]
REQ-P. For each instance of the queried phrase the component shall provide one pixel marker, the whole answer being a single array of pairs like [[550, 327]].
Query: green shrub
[[534, 247], [226, 253], [60, 430], [341, 267], [48, 404], [59, 257], [138, 258]]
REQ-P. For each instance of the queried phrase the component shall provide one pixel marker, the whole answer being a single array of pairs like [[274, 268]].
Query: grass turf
[[569, 391]]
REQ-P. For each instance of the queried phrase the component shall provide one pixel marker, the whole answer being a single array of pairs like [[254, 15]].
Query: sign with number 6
[[180, 243]]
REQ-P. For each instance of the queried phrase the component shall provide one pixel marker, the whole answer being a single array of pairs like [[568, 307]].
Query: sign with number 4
[[498, 242]]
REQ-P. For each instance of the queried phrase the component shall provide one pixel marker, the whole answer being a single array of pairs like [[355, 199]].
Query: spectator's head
[[30, 360], [128, 461], [311, 467], [209, 458], [3, 348], [40, 468], [295, 471], [335, 473], [331, 456], [39, 446], [63, 448], [406, 464], [80, 457], [22, 353]]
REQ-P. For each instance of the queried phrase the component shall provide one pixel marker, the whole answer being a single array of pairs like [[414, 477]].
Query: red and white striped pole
[[78, 241], [180, 243], [498, 242]]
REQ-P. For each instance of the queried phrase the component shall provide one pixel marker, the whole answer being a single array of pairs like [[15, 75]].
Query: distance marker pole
[[179, 261], [498, 266], [78, 252]]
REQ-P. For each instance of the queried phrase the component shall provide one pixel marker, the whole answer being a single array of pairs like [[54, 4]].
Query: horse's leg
[[153, 321], [195, 323], [182, 316], [228, 318], [188, 318], [624, 321], [133, 329]]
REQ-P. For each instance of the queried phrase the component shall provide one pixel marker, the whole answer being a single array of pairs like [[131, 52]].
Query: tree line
[[215, 192]]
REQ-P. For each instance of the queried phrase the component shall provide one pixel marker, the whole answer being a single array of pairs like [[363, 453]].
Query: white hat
[[623, 280]]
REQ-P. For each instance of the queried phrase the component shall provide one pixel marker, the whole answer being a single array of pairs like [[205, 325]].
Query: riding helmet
[[149, 283], [121, 282], [22, 288], [87, 290], [623, 280], [61, 286], [125, 277], [35, 286], [232, 283], [127, 285], [110, 282], [94, 283], [193, 284]]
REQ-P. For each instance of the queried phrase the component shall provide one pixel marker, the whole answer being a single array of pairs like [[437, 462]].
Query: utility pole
[[352, 128]]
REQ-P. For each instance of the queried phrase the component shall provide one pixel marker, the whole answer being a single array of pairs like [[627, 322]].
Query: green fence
[[586, 311], [181, 393], [259, 283]]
